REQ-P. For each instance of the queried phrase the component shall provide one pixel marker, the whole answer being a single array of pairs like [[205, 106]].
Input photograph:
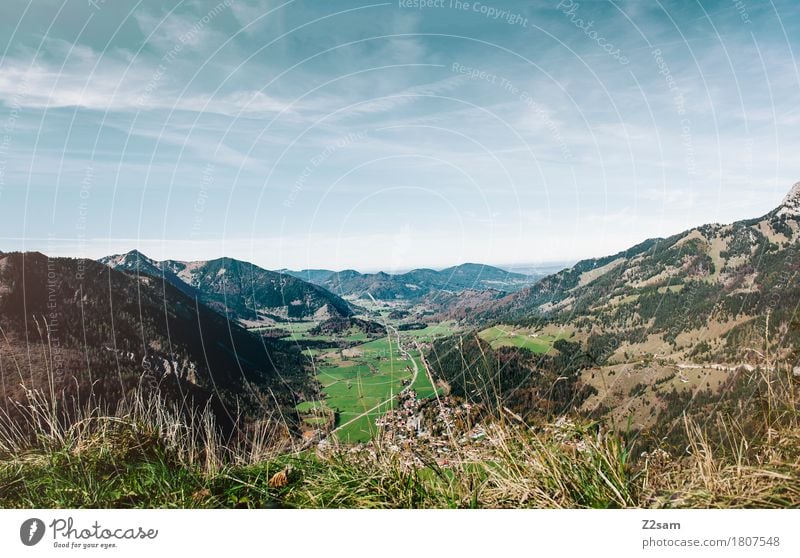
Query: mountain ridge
[[242, 290], [89, 333], [687, 312], [417, 283]]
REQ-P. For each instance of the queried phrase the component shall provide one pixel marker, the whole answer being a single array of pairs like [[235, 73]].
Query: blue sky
[[389, 135]]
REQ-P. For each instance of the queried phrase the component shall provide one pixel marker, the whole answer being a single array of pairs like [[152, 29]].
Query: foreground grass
[[145, 474], [148, 455], [132, 467]]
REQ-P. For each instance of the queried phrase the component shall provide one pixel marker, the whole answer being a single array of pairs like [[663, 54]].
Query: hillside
[[459, 305], [240, 290], [340, 326], [87, 334], [674, 319], [717, 279], [416, 284]]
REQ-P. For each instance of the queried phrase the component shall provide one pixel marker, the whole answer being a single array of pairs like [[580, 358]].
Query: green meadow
[[362, 385], [433, 331], [508, 336]]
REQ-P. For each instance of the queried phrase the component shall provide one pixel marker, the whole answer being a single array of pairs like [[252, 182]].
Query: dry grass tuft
[[148, 453]]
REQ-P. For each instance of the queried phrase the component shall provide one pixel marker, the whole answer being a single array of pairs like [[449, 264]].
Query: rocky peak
[[131, 261], [136, 256], [790, 205]]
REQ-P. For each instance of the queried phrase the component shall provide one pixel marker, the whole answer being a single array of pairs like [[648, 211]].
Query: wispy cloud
[[110, 82]]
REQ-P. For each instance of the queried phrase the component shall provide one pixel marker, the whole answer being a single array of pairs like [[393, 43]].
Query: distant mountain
[[539, 269], [82, 331], [702, 294], [316, 276], [240, 290], [416, 284]]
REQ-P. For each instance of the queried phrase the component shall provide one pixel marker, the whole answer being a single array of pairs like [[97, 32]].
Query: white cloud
[[109, 82], [396, 100]]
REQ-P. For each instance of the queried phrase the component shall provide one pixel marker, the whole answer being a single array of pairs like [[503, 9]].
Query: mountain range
[[714, 284], [238, 289], [668, 325], [84, 332], [635, 329], [416, 284]]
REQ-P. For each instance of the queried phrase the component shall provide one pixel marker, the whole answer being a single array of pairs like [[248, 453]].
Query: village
[[431, 429]]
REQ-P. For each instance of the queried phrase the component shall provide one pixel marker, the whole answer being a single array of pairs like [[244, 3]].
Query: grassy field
[[509, 336], [148, 456], [300, 331], [292, 327], [431, 332], [364, 379]]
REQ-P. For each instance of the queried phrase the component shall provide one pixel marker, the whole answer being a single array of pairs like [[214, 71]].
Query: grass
[[308, 406], [431, 332], [509, 336], [364, 391], [131, 461], [149, 454], [126, 463], [369, 385]]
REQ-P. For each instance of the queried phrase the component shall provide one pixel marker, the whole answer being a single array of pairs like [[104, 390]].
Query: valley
[[362, 375], [691, 335]]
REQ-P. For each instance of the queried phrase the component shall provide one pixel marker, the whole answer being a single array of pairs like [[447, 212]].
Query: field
[[431, 332], [509, 336], [360, 383], [361, 377], [299, 331]]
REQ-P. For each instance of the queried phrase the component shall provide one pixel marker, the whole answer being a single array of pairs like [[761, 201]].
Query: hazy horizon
[[516, 267]]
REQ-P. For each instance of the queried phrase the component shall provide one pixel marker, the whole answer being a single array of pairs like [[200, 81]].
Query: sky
[[390, 135]]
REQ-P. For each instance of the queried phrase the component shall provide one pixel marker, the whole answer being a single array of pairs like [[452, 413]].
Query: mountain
[[138, 264], [84, 332], [238, 289], [315, 276], [416, 284], [673, 320], [459, 305], [713, 281]]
